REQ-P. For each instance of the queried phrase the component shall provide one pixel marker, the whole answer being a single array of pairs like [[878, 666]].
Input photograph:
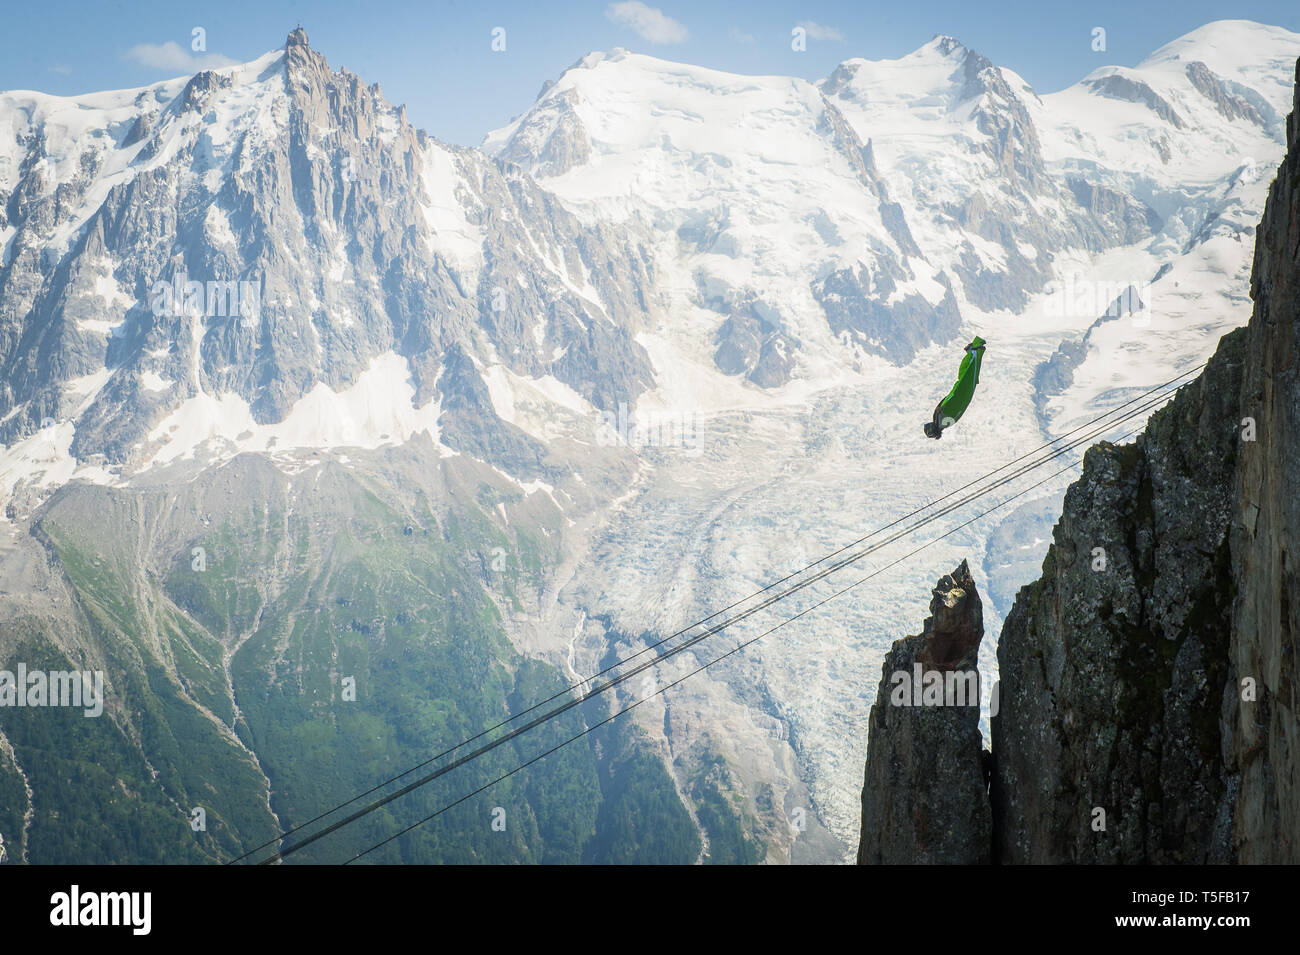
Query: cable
[[618, 663], [675, 650], [513, 734], [705, 666]]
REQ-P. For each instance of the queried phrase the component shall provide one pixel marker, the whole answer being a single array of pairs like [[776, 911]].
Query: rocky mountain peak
[[300, 56], [946, 45], [295, 233]]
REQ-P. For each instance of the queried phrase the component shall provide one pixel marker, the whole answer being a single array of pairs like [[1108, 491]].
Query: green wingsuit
[[954, 404]]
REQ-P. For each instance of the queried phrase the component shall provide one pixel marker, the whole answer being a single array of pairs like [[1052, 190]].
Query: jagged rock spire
[[924, 798]]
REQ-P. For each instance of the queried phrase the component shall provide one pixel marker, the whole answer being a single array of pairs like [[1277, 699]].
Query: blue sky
[[436, 57]]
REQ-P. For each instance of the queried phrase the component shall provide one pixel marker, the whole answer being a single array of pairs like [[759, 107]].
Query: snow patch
[[376, 410]]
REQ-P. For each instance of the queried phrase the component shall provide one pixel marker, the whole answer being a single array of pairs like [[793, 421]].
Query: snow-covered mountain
[[834, 220], [761, 194], [270, 256], [692, 321], [1099, 237]]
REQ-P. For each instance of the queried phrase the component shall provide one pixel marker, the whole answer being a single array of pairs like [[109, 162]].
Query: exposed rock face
[[355, 234], [1113, 212], [1112, 665], [850, 300], [924, 800], [1261, 740], [1012, 141], [1148, 681], [1227, 102], [1117, 86], [751, 343], [563, 147]]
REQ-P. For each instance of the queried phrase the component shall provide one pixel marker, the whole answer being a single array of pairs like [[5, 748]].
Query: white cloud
[[816, 31], [172, 56], [651, 24]]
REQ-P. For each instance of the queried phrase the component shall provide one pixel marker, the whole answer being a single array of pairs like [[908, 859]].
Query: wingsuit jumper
[[954, 403]]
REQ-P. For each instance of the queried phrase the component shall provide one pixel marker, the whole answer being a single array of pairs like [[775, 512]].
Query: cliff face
[[1261, 740], [1112, 665], [924, 796], [1148, 696]]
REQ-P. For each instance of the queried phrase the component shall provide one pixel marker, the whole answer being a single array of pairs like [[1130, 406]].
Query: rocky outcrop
[[1011, 140], [1212, 87], [555, 149], [1117, 86], [750, 344], [1115, 213], [924, 799], [851, 299]]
